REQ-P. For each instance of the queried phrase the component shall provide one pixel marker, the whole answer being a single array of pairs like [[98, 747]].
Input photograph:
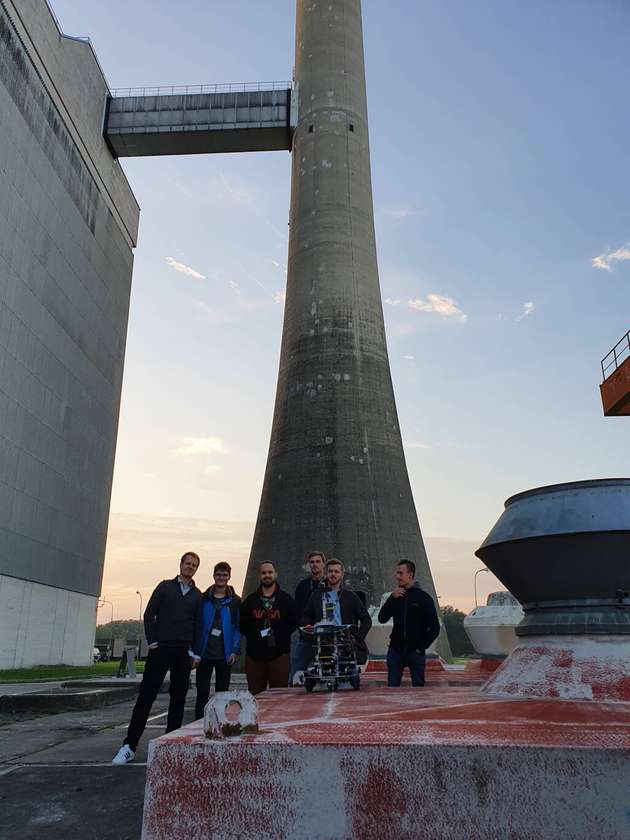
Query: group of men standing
[[187, 629]]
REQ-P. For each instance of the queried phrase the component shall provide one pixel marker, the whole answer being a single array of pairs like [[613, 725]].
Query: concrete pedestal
[[571, 667], [432, 763]]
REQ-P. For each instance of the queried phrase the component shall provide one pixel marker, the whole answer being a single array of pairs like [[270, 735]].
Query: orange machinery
[[615, 388]]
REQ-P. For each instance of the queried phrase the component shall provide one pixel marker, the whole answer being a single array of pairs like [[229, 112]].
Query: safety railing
[[619, 353], [185, 90]]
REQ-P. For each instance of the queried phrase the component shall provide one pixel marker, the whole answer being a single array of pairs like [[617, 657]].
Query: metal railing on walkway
[[619, 353], [184, 90]]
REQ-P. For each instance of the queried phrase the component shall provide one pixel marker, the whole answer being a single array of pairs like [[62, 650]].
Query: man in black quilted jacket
[[170, 622], [416, 625]]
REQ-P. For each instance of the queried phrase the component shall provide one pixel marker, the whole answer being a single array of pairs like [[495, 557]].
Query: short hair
[[334, 562], [189, 554], [222, 567], [411, 567], [265, 563], [316, 554]]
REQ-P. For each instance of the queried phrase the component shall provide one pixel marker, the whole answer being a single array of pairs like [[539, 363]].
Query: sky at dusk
[[500, 164]]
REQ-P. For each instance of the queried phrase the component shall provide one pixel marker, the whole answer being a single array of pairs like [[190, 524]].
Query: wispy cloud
[[528, 308], [444, 306], [184, 269], [392, 301], [280, 297], [605, 260], [416, 444], [409, 358], [202, 446], [397, 211], [210, 314]]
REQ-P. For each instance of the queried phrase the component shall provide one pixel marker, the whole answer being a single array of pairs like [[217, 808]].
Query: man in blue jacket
[[218, 640]]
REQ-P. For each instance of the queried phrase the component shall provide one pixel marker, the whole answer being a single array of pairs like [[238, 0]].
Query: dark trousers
[[300, 655], [205, 668], [160, 660], [273, 673], [396, 663]]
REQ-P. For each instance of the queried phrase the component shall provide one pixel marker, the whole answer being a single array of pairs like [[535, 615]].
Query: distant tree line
[[454, 624], [131, 629]]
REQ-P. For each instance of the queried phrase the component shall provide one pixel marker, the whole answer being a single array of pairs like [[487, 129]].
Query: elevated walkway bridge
[[202, 119]]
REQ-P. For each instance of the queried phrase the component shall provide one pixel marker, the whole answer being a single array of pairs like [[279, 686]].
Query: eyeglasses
[[221, 574]]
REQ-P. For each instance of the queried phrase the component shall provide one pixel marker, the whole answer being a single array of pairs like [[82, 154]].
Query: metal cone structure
[[336, 477]]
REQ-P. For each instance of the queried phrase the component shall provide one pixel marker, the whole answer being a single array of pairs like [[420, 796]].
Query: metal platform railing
[[184, 90], [619, 353]]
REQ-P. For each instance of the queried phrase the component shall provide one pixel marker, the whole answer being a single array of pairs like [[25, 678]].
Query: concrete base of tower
[[44, 625], [397, 763], [569, 667]]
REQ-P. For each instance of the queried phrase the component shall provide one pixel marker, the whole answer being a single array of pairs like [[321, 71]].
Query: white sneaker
[[124, 755]]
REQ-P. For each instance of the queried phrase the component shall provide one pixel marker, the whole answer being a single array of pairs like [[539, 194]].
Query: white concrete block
[[44, 625]]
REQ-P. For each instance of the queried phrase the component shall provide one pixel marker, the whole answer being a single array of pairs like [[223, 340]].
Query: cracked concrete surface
[[56, 779]]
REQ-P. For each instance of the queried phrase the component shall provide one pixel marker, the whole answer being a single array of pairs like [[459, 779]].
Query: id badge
[[265, 632], [215, 631]]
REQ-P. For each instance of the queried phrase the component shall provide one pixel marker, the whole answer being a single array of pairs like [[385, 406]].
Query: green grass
[[63, 672]]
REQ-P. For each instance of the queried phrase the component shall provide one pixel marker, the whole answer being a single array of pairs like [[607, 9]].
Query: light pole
[[475, 581], [111, 606], [140, 594]]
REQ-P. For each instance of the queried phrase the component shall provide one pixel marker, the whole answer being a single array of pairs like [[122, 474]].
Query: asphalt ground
[[56, 777]]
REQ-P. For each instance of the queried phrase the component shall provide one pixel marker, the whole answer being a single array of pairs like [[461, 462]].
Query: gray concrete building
[[68, 225]]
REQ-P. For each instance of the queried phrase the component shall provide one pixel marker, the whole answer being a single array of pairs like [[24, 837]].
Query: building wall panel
[[68, 222]]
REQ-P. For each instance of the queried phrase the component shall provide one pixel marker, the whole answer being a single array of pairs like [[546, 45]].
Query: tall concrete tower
[[336, 477]]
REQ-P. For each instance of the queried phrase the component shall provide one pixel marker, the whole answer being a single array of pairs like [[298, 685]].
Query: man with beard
[[339, 606], [267, 621]]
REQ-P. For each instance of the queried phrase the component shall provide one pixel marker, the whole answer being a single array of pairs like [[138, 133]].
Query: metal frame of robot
[[334, 657]]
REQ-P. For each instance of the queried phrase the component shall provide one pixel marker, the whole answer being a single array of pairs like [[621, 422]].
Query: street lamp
[[475, 581], [140, 594], [111, 606]]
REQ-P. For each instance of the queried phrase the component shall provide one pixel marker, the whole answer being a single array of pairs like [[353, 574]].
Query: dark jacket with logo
[[416, 622], [230, 609], [303, 592], [279, 616], [170, 617]]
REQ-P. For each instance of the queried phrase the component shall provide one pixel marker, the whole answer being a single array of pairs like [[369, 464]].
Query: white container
[[491, 629]]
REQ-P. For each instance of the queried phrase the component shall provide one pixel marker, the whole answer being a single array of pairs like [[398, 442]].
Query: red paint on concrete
[[434, 664], [576, 668], [482, 667], [405, 763]]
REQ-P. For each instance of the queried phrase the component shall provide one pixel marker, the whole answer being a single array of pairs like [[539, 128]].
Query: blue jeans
[[396, 663], [299, 657]]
